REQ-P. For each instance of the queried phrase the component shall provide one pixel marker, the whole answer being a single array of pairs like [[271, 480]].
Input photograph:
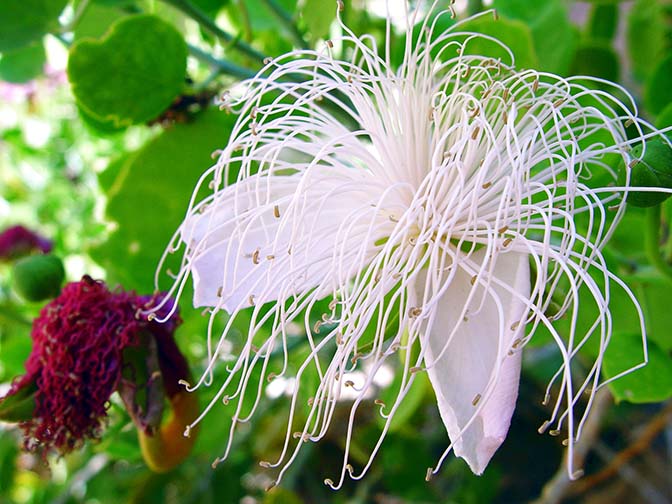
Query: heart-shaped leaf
[[25, 21], [132, 74]]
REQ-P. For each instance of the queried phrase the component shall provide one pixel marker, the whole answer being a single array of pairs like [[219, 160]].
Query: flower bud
[[652, 169], [38, 277]]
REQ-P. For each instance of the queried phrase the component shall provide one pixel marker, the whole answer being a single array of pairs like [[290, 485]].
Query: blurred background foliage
[[106, 123]]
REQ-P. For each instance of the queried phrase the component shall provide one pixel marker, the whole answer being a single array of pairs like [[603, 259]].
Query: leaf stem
[[286, 19], [222, 66], [186, 7], [652, 243]]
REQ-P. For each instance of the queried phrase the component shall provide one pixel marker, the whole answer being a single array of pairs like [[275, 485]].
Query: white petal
[[463, 371], [272, 237]]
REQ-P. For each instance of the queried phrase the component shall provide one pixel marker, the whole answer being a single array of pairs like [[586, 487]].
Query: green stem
[[653, 242], [222, 66], [208, 24], [286, 19]]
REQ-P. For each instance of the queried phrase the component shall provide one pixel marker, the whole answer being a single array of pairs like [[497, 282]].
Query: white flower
[[435, 204]]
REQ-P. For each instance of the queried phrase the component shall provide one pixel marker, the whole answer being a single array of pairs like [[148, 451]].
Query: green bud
[[38, 277], [654, 169]]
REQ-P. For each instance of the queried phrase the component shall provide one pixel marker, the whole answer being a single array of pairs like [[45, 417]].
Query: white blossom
[[439, 205]]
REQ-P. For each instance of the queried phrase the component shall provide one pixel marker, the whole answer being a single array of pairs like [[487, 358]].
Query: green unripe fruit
[[652, 170], [38, 277]]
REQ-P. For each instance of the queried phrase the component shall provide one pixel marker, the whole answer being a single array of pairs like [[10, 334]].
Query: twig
[[223, 67], [558, 486], [286, 19], [639, 445], [208, 24]]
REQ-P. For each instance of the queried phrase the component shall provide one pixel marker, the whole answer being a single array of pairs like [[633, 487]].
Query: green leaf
[[24, 64], [645, 36], [149, 195], [144, 70], [596, 59], [603, 21], [514, 34], [658, 92], [25, 21], [97, 19], [318, 16], [553, 35], [664, 119], [652, 383]]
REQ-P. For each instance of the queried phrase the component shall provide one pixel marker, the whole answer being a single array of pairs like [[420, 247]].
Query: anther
[[276, 211], [535, 85], [265, 464], [516, 342], [412, 241], [633, 163], [251, 299], [379, 402], [495, 15], [316, 327], [329, 43], [328, 482], [415, 312], [215, 463], [415, 369], [341, 8], [505, 94], [349, 468], [349, 383], [271, 377], [629, 123], [474, 135], [151, 317], [311, 401], [486, 185], [505, 116], [187, 431], [507, 242], [268, 60], [473, 279], [225, 400], [475, 400], [554, 432], [216, 153], [270, 486], [429, 474], [253, 129], [253, 112], [559, 102], [393, 218], [255, 257], [565, 442], [503, 229], [577, 474], [543, 427], [332, 304], [270, 257], [547, 399], [184, 383], [515, 325]]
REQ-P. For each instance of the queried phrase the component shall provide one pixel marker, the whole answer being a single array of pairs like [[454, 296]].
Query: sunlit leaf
[[148, 196], [144, 70], [659, 86], [645, 36]]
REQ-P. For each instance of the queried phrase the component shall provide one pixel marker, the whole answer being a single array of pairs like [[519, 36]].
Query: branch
[[186, 7], [639, 445], [223, 67], [286, 19]]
